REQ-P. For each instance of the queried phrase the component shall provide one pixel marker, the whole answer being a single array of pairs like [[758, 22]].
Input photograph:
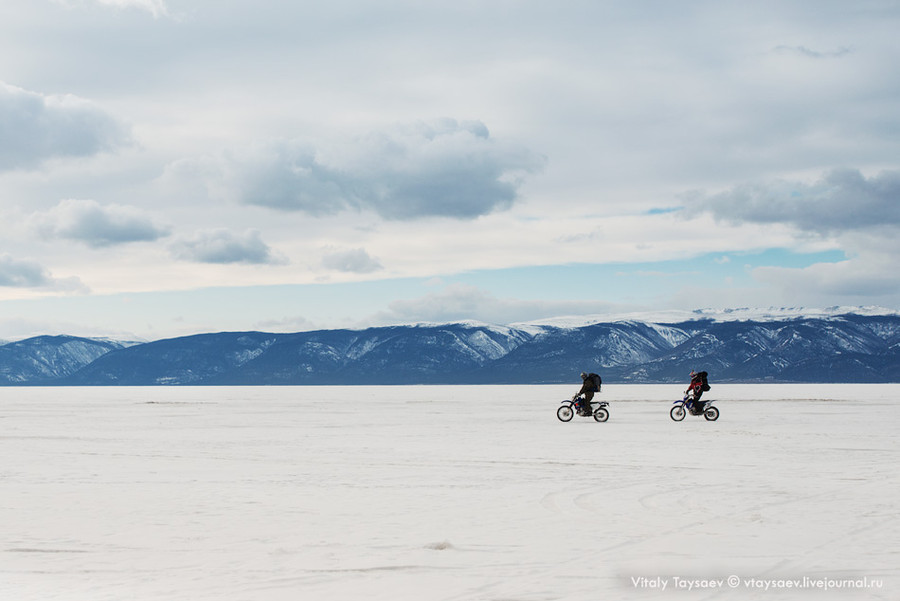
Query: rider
[[590, 384], [695, 389]]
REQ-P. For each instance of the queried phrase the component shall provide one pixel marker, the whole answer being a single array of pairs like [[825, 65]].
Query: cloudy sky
[[170, 167]]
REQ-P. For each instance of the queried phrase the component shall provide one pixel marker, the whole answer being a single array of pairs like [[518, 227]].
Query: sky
[[173, 167]]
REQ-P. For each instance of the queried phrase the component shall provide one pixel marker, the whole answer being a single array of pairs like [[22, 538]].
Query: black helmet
[[583, 375]]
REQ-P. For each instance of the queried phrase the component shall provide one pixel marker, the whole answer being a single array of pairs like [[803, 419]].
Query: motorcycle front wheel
[[677, 413], [565, 413], [711, 414], [601, 415]]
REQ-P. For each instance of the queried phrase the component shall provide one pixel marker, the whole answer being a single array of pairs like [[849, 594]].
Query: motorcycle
[[567, 411], [688, 405]]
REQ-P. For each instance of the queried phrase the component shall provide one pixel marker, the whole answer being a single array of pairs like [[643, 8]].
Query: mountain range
[[854, 346]]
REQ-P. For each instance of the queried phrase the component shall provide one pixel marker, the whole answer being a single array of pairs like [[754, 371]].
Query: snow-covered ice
[[447, 493]]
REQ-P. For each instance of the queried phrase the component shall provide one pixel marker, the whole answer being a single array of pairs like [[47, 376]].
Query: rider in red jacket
[[696, 388]]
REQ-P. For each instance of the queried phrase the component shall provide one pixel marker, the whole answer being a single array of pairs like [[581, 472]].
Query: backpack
[[596, 380], [701, 376]]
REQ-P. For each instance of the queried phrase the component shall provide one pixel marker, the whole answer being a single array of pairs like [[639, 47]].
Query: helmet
[[583, 375]]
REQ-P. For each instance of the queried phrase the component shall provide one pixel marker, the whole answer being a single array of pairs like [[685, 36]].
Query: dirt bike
[[689, 405], [566, 411]]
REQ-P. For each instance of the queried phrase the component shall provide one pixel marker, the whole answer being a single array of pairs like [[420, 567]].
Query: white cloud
[[846, 282], [36, 127], [97, 225], [630, 103], [157, 8], [294, 323], [355, 260], [224, 246], [851, 279], [463, 302]]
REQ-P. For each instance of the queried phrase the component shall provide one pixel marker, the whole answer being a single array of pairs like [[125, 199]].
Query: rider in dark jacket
[[591, 383]]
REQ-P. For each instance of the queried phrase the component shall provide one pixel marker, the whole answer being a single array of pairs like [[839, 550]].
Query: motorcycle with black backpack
[[691, 402], [583, 404]]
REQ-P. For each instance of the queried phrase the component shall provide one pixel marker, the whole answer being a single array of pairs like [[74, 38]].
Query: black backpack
[[596, 380], [704, 385]]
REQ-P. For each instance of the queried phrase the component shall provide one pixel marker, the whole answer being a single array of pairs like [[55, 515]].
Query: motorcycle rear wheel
[[711, 414], [601, 415]]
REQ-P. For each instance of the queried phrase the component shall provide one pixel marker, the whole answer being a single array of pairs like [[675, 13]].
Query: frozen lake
[[447, 493]]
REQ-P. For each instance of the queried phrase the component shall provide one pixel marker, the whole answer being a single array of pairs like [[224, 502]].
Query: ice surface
[[445, 493]]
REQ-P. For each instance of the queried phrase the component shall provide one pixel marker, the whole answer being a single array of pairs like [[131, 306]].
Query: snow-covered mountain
[[388, 355], [785, 345], [733, 314], [45, 359]]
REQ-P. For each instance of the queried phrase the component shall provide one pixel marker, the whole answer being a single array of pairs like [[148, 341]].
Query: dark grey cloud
[[17, 273], [356, 260], [224, 246], [24, 273], [444, 168], [843, 200], [34, 128], [809, 53], [97, 225]]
